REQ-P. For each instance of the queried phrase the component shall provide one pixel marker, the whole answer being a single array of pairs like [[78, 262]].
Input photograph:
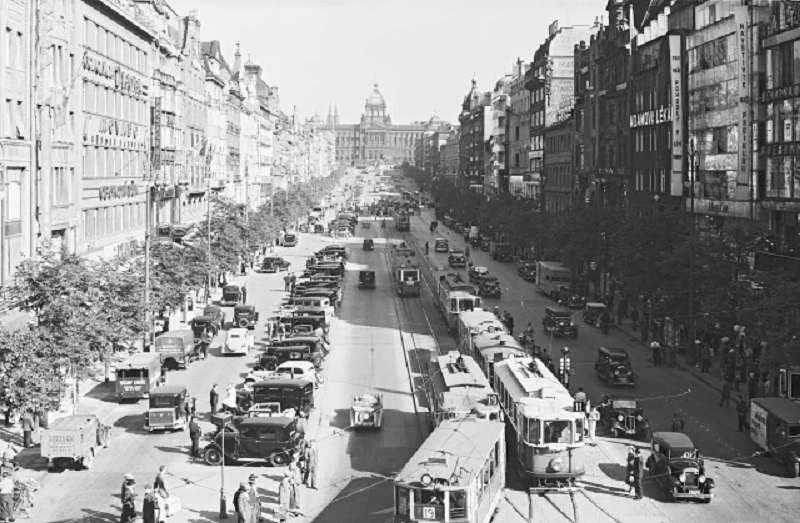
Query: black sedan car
[[274, 264]]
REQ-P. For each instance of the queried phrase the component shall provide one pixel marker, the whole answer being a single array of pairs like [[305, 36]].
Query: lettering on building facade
[[113, 192], [675, 96], [114, 76], [717, 207], [743, 66], [651, 117], [781, 93], [100, 130], [782, 149], [156, 133]]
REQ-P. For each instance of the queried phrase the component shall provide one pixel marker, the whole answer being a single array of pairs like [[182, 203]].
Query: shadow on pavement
[[370, 498], [103, 392], [381, 451], [614, 471], [93, 516], [133, 423], [599, 488]]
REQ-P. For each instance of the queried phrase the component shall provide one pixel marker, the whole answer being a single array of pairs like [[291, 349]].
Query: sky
[[423, 53]]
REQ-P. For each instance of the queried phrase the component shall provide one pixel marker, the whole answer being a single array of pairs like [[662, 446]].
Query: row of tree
[[650, 257], [84, 311]]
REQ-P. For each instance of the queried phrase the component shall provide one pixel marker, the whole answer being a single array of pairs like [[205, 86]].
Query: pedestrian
[[285, 494], [656, 348], [725, 399], [128, 499], [300, 424], [638, 473], [162, 510], [427, 248], [741, 412], [287, 281], [244, 294], [752, 385], [7, 497], [27, 428], [466, 252], [705, 357], [580, 400], [241, 504], [510, 324], [255, 501], [213, 398], [311, 460], [591, 423], [294, 469], [35, 428], [230, 399], [149, 506], [194, 435], [677, 423], [159, 484]]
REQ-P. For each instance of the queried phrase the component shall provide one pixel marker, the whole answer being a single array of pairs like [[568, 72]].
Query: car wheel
[[795, 470], [243, 323], [212, 457], [279, 458]]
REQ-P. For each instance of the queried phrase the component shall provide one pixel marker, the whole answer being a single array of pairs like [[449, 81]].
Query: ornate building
[[375, 138]]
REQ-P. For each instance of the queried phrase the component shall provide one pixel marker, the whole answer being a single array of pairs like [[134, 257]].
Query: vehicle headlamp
[[556, 464], [682, 478], [620, 417], [701, 479]]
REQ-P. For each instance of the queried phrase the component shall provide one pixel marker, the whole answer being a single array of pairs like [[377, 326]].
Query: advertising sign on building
[[676, 100], [744, 166], [156, 136]]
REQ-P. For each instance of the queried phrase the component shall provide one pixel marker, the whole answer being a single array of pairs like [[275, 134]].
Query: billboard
[[676, 100], [744, 117]]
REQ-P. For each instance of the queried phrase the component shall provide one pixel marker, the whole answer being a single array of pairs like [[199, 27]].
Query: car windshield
[[682, 453], [618, 358], [624, 404]]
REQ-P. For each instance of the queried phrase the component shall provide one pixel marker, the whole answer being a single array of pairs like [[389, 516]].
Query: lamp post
[[693, 159]]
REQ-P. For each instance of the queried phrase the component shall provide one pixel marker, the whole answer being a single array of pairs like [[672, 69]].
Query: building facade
[[559, 143], [450, 154], [375, 139], [475, 122], [496, 179], [519, 129]]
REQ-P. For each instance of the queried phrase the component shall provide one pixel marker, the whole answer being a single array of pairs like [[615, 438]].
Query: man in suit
[[213, 398], [194, 435], [638, 473]]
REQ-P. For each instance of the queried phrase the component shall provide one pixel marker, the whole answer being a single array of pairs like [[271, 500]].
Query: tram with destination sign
[[489, 348], [458, 474], [454, 295], [547, 430], [472, 323], [457, 388]]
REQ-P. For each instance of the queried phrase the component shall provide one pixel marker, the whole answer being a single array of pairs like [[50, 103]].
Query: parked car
[[441, 245], [245, 316], [239, 341], [168, 409], [623, 416], [614, 366], [675, 464], [290, 393], [256, 439], [217, 315], [489, 287]]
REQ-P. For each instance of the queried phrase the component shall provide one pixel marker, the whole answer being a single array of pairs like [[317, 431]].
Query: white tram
[[458, 389], [548, 433], [476, 322], [454, 295], [489, 348], [457, 475]]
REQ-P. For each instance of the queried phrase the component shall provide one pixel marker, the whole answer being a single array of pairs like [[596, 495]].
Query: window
[[458, 504], [88, 96], [558, 431], [534, 428], [62, 185], [13, 196], [89, 224]]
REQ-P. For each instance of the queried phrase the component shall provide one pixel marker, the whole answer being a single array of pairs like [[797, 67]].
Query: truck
[[176, 348], [73, 441], [551, 275], [501, 251]]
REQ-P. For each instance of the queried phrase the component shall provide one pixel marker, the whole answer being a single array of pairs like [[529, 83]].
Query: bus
[[458, 389], [540, 411], [458, 474], [550, 275]]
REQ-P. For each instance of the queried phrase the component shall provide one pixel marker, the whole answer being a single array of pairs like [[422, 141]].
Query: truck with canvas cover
[[73, 441], [175, 348], [138, 375]]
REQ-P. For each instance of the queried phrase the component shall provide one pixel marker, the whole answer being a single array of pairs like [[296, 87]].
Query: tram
[[540, 411], [454, 295], [458, 388], [402, 219], [489, 348], [406, 276], [476, 322], [458, 474]]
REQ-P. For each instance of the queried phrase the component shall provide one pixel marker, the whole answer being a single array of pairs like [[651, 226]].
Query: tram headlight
[[556, 464], [701, 479], [426, 480]]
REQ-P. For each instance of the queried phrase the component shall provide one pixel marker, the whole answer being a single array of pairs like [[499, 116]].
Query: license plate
[[623, 380]]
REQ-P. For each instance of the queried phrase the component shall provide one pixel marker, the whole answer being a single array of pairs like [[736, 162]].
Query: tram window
[[402, 501], [453, 304], [558, 431], [578, 430], [497, 454], [534, 432], [492, 463], [458, 504], [429, 497], [466, 305]]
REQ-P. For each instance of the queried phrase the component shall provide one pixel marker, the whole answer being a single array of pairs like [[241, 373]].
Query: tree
[[29, 375], [229, 234]]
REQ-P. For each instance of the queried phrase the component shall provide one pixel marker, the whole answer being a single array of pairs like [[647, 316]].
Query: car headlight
[[682, 478], [620, 417], [616, 372], [701, 479]]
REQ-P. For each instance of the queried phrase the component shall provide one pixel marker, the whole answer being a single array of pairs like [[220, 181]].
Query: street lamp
[[693, 164]]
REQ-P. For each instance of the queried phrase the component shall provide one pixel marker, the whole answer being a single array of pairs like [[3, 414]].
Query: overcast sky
[[423, 53]]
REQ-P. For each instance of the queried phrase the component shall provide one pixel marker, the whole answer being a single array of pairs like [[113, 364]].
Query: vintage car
[[486, 242], [280, 263], [675, 464], [286, 370], [201, 324], [168, 409], [232, 295], [270, 409], [366, 410], [476, 273], [369, 244], [457, 259], [245, 316], [256, 439], [366, 279], [569, 297], [239, 341], [218, 316], [623, 417], [775, 428], [441, 245], [290, 393], [319, 228], [267, 266], [614, 367], [332, 250], [593, 312], [558, 322], [489, 287], [527, 269]]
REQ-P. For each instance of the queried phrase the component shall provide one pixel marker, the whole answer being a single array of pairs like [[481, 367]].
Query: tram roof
[[455, 447], [478, 317], [455, 376], [488, 340], [522, 383], [138, 360]]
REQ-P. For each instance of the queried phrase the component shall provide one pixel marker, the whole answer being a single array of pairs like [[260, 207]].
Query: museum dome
[[376, 98]]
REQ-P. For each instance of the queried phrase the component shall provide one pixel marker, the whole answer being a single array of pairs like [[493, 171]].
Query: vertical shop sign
[[743, 78], [156, 137], [676, 99]]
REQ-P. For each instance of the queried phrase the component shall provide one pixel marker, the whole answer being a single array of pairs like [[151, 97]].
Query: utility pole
[[208, 241], [148, 226]]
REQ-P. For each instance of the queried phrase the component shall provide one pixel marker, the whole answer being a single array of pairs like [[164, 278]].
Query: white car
[[288, 370], [239, 341]]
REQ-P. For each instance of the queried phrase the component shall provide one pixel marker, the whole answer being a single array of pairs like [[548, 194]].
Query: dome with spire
[[376, 98], [471, 94]]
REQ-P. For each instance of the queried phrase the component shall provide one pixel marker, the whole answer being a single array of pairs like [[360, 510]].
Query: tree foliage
[[29, 376]]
